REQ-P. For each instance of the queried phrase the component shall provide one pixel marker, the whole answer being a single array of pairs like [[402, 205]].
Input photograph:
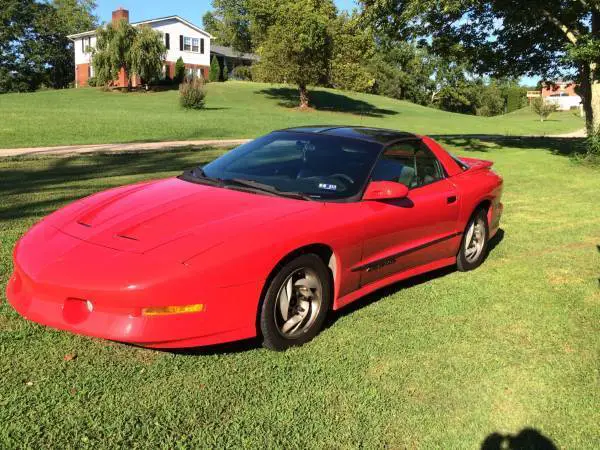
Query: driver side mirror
[[385, 190]]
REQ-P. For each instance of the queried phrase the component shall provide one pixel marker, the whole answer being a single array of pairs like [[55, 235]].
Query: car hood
[[142, 217]]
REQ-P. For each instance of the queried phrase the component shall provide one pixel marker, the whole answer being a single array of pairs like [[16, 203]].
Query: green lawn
[[234, 110], [441, 362]]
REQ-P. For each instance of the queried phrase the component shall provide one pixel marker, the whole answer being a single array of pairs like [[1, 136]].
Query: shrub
[[215, 69], [543, 109], [179, 71], [192, 94], [242, 73], [225, 76], [92, 82]]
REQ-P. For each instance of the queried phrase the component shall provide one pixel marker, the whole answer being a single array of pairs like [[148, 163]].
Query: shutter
[[167, 41], [181, 42], [202, 46]]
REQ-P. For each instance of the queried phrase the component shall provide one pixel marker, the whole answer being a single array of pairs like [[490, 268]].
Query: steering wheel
[[343, 176]]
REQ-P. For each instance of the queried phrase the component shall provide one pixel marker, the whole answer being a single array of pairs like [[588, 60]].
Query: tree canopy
[[297, 46], [34, 48], [549, 38], [138, 50]]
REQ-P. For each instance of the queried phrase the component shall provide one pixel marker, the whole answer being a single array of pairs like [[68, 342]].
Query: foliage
[[192, 94], [34, 48], [229, 23], [147, 53], [113, 50], [243, 73], [550, 38], [225, 74], [543, 108], [92, 82], [138, 50], [403, 70], [179, 71], [353, 45], [297, 48], [214, 74]]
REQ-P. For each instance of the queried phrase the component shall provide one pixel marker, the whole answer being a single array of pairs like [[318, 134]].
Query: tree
[[229, 23], [34, 47], [215, 70], [297, 47], [225, 72], [121, 46], [179, 70], [353, 47], [403, 70], [542, 108], [551, 38], [147, 52]]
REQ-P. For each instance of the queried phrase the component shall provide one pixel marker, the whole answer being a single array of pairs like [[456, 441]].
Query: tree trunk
[[303, 96]]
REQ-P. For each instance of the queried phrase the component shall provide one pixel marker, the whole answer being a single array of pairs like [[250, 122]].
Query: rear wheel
[[473, 248], [296, 303]]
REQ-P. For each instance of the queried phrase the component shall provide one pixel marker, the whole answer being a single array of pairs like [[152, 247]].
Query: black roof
[[370, 134]]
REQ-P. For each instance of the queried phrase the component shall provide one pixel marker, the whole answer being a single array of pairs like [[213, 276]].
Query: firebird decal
[[388, 260]]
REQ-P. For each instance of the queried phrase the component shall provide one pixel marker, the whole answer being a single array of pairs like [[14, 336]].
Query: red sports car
[[263, 241]]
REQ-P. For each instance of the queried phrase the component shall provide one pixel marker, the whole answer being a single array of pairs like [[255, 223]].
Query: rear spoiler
[[475, 164]]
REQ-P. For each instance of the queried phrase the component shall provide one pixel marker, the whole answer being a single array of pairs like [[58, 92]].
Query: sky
[[192, 10]]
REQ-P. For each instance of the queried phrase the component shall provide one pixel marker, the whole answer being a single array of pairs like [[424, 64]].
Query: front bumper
[[126, 324], [79, 287]]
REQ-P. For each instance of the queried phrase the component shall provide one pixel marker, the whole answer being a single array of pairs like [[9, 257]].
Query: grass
[[233, 110], [443, 361]]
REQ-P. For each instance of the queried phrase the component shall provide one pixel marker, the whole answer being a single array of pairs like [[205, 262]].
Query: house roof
[[229, 52], [149, 21]]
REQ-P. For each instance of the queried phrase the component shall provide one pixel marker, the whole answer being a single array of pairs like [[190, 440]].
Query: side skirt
[[371, 287]]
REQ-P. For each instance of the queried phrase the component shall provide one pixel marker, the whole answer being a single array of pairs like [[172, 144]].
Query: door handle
[[451, 199]]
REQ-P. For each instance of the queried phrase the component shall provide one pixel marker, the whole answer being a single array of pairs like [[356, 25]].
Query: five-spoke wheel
[[296, 303], [473, 248]]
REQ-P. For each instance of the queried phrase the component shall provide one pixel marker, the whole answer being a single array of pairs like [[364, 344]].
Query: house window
[[189, 44], [167, 41], [86, 43], [199, 73]]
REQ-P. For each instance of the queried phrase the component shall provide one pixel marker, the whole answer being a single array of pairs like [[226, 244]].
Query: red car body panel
[[92, 266]]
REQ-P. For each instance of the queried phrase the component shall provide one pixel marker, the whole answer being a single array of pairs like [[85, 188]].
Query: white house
[[182, 39]]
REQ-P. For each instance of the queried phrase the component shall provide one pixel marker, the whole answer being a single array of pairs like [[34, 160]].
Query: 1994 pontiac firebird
[[264, 241]]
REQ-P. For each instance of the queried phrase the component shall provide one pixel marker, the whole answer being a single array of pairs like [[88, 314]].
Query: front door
[[414, 231]]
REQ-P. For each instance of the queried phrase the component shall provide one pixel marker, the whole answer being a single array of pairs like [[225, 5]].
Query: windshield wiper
[[266, 188], [197, 175]]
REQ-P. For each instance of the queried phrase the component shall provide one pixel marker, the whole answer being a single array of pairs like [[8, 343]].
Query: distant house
[[227, 55], [181, 37], [562, 93]]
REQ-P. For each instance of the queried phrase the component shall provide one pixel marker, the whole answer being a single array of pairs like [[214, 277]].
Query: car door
[[417, 230]]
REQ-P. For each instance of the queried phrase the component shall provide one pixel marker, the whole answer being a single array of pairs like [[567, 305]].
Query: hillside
[[234, 110]]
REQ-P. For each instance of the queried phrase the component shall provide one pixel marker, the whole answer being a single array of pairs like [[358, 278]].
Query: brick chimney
[[119, 14]]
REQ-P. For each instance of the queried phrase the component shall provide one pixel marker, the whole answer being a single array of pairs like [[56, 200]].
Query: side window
[[428, 168], [397, 164], [410, 163]]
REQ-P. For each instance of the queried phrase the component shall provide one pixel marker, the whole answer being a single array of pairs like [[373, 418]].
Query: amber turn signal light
[[165, 310]]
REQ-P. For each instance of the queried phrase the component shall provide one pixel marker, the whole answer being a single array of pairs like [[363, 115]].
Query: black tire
[[463, 262], [272, 336]]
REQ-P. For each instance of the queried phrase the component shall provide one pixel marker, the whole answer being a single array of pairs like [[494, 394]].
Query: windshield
[[315, 165]]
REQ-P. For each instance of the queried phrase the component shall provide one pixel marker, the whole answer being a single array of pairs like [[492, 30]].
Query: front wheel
[[473, 248], [296, 303]]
